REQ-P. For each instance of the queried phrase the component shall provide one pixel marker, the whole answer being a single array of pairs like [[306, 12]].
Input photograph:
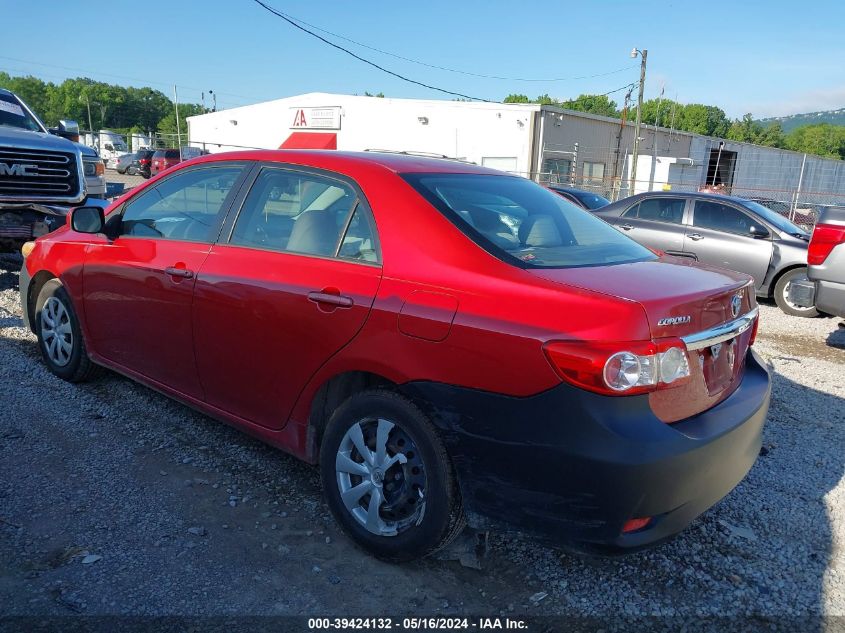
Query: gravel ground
[[116, 500]]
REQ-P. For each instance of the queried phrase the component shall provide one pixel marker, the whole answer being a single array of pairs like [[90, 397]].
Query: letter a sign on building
[[315, 118], [299, 119]]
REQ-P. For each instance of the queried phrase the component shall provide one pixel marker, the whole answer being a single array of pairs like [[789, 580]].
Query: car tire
[[418, 506], [59, 335], [781, 294]]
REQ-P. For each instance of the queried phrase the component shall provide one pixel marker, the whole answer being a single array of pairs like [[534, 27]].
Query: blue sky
[[768, 58]]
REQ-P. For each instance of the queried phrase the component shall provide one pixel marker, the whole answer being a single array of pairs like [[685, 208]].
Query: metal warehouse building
[[545, 143]]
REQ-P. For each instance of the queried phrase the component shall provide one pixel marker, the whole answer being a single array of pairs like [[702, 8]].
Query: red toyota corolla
[[448, 342]]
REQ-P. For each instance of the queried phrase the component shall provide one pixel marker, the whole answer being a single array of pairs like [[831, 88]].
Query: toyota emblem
[[736, 304]]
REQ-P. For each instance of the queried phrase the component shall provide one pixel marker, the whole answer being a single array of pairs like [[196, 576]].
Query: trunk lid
[[680, 297]]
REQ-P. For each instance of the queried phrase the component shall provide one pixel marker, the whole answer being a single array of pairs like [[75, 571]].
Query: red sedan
[[164, 159], [449, 343]]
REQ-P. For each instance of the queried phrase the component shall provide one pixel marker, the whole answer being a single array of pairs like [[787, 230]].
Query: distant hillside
[[835, 117]]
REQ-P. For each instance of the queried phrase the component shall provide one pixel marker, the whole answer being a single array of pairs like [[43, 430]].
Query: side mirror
[[87, 220], [71, 127], [758, 232], [66, 129]]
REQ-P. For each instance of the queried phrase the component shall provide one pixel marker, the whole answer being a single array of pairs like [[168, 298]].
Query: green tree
[[516, 98], [167, 125], [772, 136], [822, 139], [594, 104], [703, 119], [659, 112]]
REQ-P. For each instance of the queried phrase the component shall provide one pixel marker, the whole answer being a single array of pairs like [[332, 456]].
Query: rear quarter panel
[[503, 315]]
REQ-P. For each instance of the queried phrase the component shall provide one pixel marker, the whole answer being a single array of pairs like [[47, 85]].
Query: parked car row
[[449, 343], [722, 231]]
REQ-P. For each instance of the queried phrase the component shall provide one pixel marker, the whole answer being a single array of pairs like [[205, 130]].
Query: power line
[[452, 70], [366, 61]]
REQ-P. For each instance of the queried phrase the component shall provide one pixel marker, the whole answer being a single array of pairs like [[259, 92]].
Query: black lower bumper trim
[[573, 466]]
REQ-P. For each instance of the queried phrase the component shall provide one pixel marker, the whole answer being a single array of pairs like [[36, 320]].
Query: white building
[[541, 142], [494, 134]]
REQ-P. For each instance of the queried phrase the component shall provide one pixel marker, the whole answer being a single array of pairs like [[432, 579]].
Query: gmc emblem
[[18, 169]]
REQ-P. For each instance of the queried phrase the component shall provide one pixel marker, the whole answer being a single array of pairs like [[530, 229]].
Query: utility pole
[[178, 128], [644, 56]]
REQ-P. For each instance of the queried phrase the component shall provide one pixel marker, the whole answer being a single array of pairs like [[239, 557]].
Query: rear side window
[[186, 206], [669, 210], [721, 217], [289, 211], [524, 223]]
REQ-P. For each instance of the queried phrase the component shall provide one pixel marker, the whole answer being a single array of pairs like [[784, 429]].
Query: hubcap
[[380, 476], [56, 331]]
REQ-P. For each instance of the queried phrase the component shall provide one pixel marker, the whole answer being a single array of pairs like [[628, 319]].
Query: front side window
[[524, 223], [721, 217], [289, 211], [186, 206], [669, 210], [13, 114]]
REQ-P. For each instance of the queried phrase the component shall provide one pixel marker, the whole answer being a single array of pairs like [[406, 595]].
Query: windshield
[[591, 200], [526, 224], [774, 218], [13, 114]]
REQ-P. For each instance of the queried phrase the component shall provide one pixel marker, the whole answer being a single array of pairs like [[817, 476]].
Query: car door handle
[[696, 236], [626, 227], [173, 271], [327, 298]]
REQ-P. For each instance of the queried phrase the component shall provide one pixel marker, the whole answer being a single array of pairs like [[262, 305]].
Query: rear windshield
[[525, 224], [590, 200]]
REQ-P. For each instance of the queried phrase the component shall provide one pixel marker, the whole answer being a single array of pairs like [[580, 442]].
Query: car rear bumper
[[830, 297], [574, 466], [826, 296]]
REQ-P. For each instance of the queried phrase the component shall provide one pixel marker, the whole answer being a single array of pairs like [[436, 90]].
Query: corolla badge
[[677, 320], [736, 303]]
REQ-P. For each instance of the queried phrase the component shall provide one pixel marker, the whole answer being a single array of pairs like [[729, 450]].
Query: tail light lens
[[754, 332], [620, 368], [825, 238]]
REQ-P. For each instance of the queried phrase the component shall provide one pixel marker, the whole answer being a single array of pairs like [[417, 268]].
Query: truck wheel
[[59, 335], [782, 294], [387, 478]]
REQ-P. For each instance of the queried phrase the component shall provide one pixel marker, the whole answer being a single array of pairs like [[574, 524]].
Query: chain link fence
[[799, 191]]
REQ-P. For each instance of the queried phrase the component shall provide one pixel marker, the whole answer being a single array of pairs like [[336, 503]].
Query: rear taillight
[[621, 368], [754, 331], [825, 238]]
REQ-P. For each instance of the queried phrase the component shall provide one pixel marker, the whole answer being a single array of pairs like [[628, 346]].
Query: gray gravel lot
[[116, 500]]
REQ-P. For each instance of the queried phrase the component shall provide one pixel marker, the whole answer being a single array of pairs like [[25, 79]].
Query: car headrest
[[540, 230], [314, 232]]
